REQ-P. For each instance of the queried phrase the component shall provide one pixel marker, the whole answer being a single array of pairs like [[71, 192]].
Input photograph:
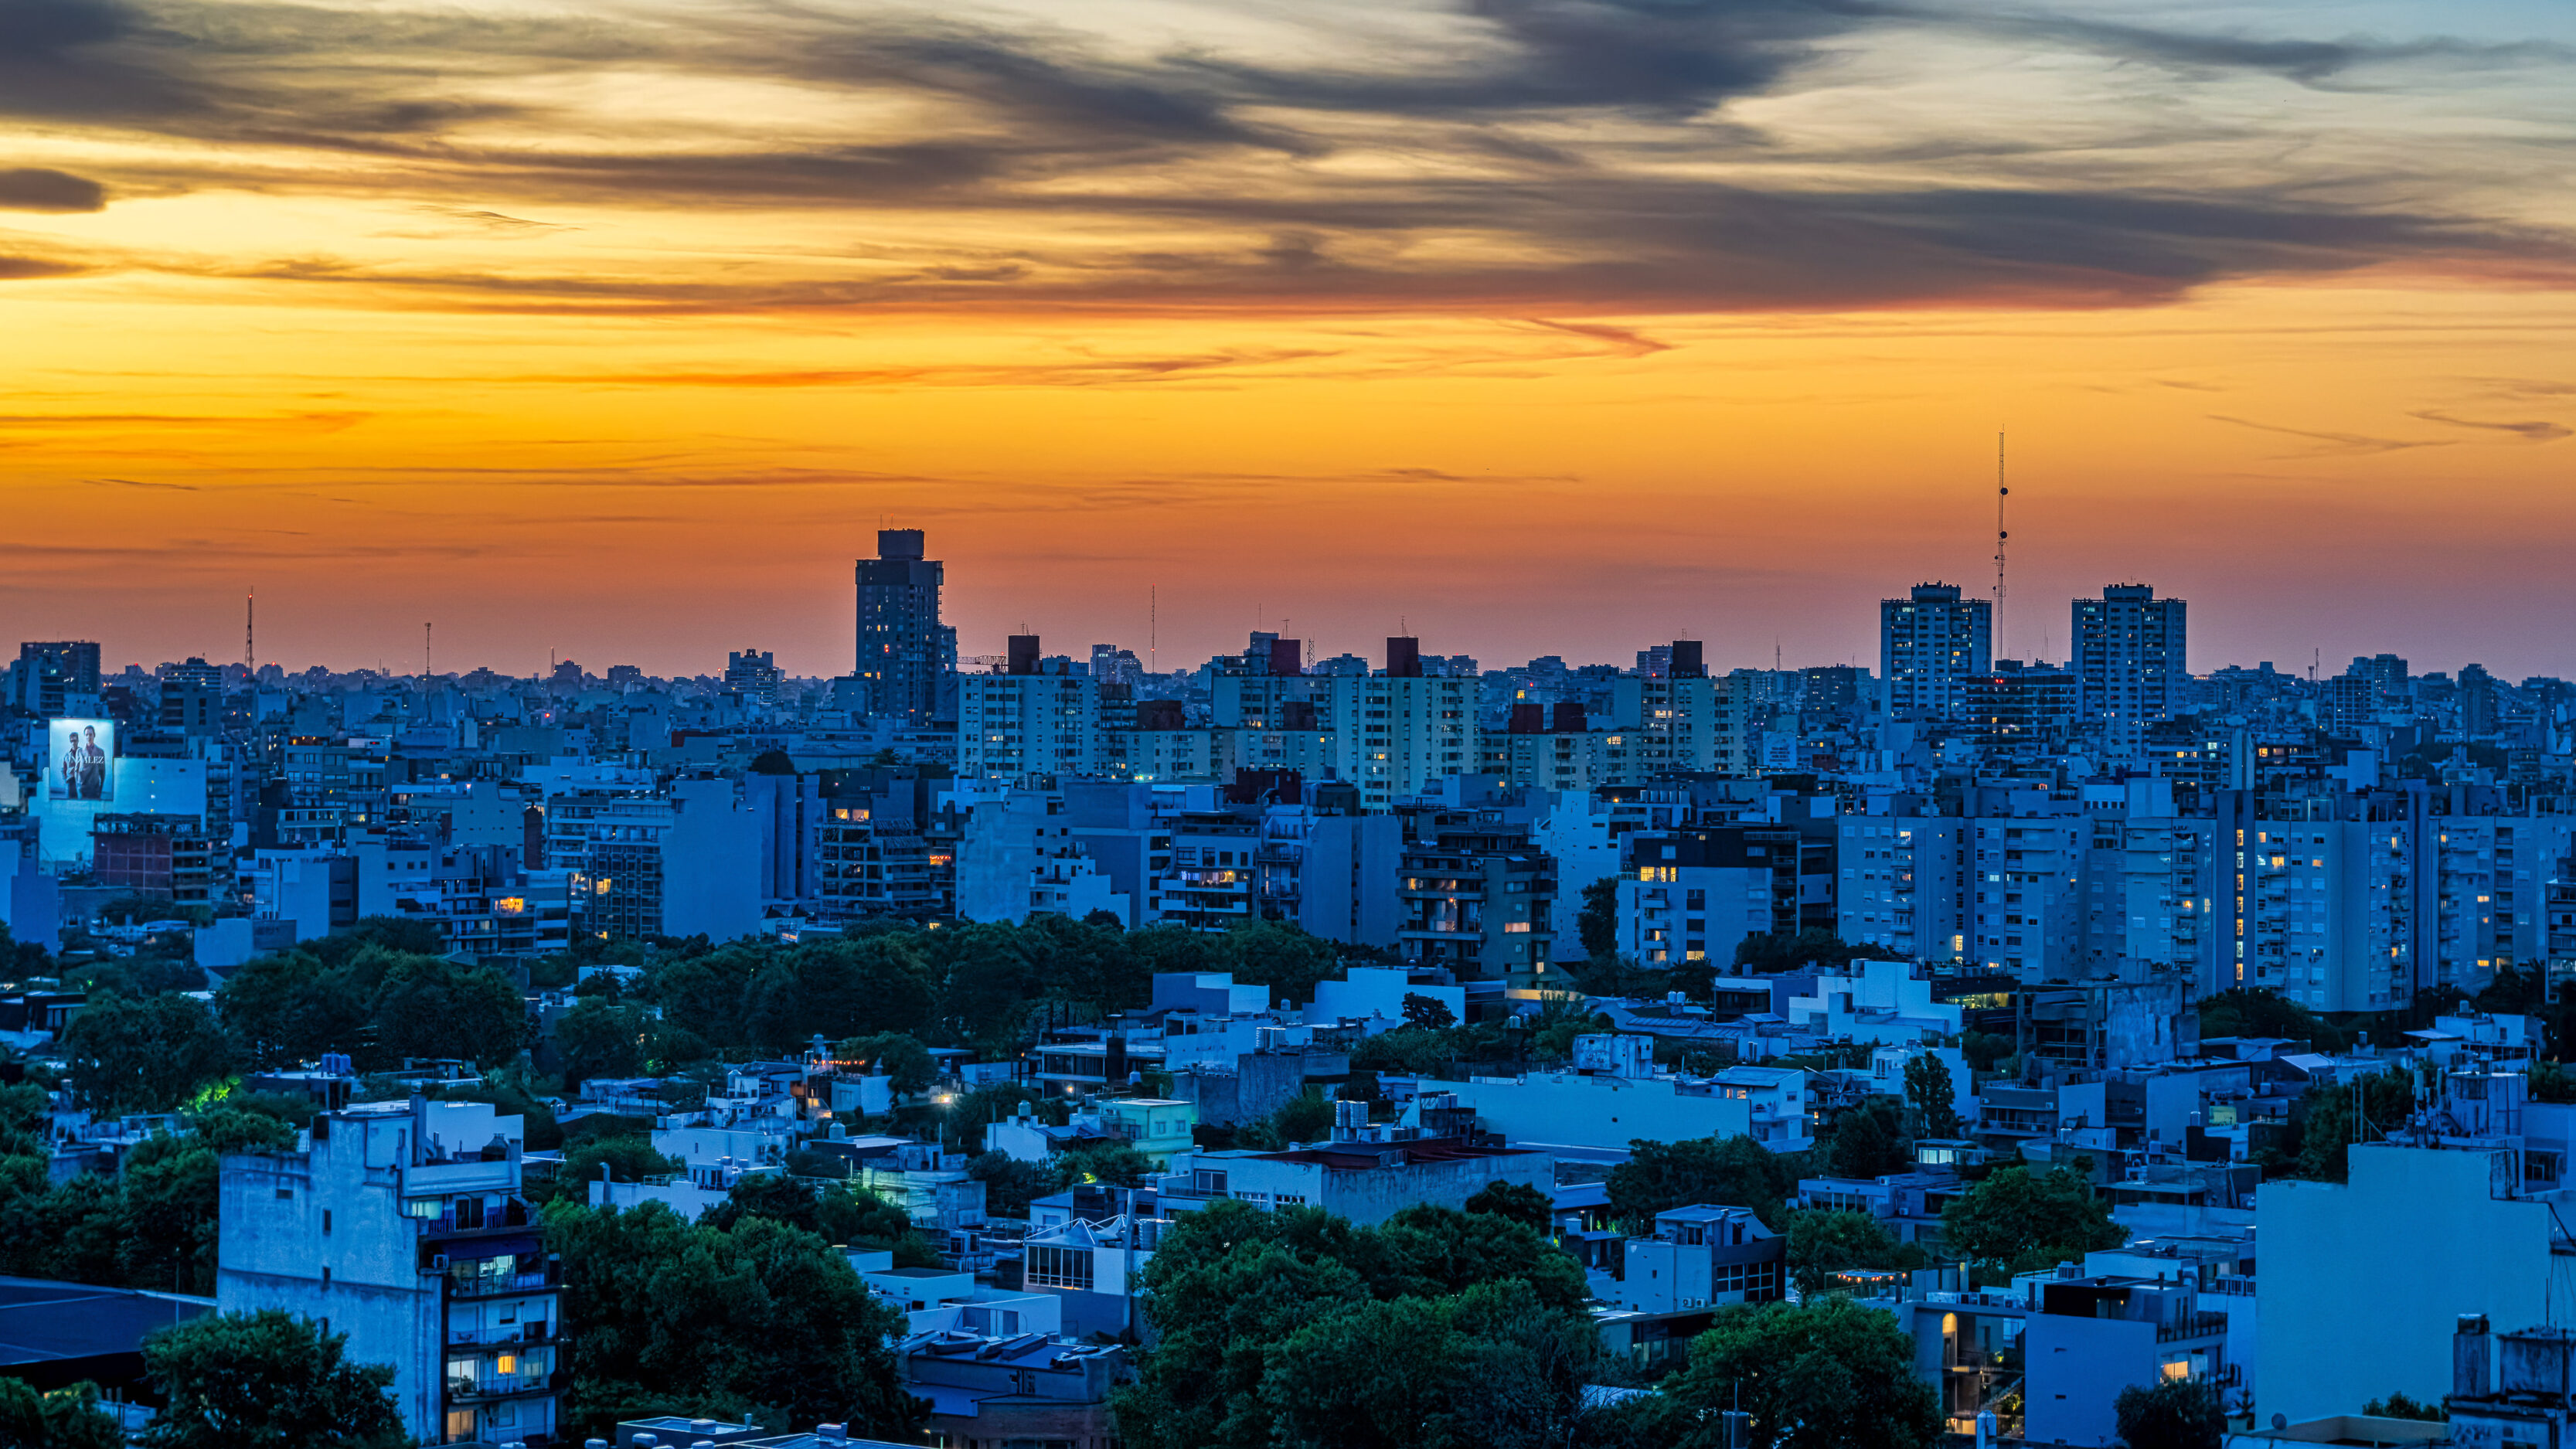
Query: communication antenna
[[424, 653], [2001, 493], [250, 634], [1153, 628]]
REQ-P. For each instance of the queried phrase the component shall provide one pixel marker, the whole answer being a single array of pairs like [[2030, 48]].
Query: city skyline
[[1541, 324]]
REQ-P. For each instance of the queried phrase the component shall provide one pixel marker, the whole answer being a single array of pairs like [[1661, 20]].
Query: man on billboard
[[81, 756]]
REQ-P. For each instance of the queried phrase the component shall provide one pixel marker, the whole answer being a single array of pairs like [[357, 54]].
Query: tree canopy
[[2015, 1215], [266, 1380], [1437, 1329], [1726, 1172]]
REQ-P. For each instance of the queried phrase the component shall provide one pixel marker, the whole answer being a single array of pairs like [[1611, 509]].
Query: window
[[1050, 1266]]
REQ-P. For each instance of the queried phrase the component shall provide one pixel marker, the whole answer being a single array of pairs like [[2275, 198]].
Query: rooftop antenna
[[1153, 628], [424, 653], [250, 633], [2001, 493]]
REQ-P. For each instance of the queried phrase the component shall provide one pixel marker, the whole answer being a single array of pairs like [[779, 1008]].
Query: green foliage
[[266, 1381], [2257, 1011], [1823, 1375], [1723, 1172], [2327, 1124], [835, 989], [627, 1158], [1984, 1050], [144, 1056], [62, 1419], [2552, 1082], [1597, 924], [1284, 958], [908, 1064], [1932, 1096], [1821, 1242], [514, 1092], [1525, 1205], [1306, 1117], [2014, 1213], [839, 1214], [144, 975], [1010, 1185], [291, 1007], [993, 1102], [1868, 1139], [1437, 1329], [428, 1007], [391, 935], [1427, 1011], [1114, 1162], [1778, 951], [759, 1318], [599, 1037], [2399, 1406], [2171, 1414]]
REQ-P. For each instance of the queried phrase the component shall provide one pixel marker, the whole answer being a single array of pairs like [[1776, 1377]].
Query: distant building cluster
[[1923, 924]]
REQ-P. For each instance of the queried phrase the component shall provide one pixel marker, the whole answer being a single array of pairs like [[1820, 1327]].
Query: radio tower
[[250, 635], [2001, 493]]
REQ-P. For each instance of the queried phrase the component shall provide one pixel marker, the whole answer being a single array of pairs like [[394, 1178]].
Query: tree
[[1294, 1327], [61, 1419], [1725, 1172], [853, 986], [599, 1037], [1305, 1117], [266, 1380], [1597, 924], [2328, 1125], [1010, 1185], [1290, 961], [1821, 1242], [645, 1294], [1985, 1050], [2552, 1082], [1814, 946], [908, 1064], [1823, 1375], [2015, 1213], [1113, 1162], [2171, 1414], [430, 1007], [1868, 1140], [1427, 1011], [2259, 1011], [1933, 1096], [627, 1158], [2399, 1406], [1527, 1206], [144, 1056]]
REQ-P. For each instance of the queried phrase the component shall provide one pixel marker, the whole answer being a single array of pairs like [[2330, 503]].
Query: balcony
[[2192, 1325], [501, 1285], [505, 1336], [464, 1389]]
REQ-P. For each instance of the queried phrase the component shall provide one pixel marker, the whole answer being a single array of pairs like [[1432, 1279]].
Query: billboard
[[82, 764]]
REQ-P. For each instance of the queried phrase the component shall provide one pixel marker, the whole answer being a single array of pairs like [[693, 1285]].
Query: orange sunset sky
[[614, 330]]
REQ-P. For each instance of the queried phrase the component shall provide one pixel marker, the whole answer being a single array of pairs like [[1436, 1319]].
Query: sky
[[612, 331]]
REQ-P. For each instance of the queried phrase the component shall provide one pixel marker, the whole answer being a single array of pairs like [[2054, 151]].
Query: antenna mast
[[2001, 493], [250, 635], [424, 654]]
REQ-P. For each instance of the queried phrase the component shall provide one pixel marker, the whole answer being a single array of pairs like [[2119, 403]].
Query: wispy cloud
[[2334, 444], [2535, 431]]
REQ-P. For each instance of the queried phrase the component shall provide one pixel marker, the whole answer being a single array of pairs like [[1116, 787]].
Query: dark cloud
[[1207, 158], [17, 269], [37, 189], [2536, 431]]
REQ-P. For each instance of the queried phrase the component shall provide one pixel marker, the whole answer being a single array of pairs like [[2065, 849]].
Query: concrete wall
[[2076, 1368], [2361, 1286]]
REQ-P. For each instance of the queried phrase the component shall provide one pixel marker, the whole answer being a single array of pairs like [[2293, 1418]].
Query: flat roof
[[42, 1320]]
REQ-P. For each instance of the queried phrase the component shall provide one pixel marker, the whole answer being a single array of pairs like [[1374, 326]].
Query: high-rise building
[[1930, 644], [904, 651], [2129, 657], [1681, 720], [1400, 732], [2477, 697], [752, 674], [1027, 721], [48, 672]]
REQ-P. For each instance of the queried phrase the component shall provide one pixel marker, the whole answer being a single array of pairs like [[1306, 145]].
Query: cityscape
[[1200, 724], [1108, 1054]]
